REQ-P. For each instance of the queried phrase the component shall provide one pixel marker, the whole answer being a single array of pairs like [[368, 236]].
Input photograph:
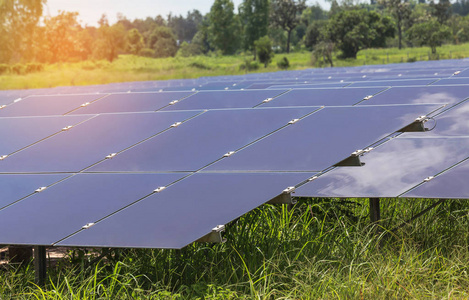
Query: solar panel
[[225, 99], [132, 102], [47, 105], [420, 95], [14, 187], [449, 184], [452, 81], [319, 97], [57, 212], [185, 211], [17, 133], [90, 142], [390, 169], [389, 83], [322, 139], [202, 140]]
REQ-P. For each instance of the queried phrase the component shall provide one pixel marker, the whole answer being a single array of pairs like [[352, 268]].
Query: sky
[[90, 11]]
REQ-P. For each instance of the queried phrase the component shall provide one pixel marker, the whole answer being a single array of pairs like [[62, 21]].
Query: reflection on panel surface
[[63, 209], [451, 184], [420, 95], [202, 140], [90, 142], [186, 211], [322, 139], [390, 169]]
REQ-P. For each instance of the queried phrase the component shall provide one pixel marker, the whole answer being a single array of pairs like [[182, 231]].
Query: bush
[[4, 68], [34, 67], [199, 65], [249, 65], [283, 64], [264, 50], [17, 69], [147, 52]]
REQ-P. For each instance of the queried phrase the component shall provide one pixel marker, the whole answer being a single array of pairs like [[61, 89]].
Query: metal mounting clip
[[214, 236], [284, 197], [417, 126], [111, 155], [267, 100], [368, 97], [42, 188], [3, 157], [173, 102], [87, 226], [428, 178], [293, 121], [67, 128], [354, 159], [229, 154], [176, 124], [159, 189], [457, 72], [2, 106], [85, 104]]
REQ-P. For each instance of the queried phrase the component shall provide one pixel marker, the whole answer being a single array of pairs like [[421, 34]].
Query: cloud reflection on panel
[[390, 169], [420, 95], [453, 122]]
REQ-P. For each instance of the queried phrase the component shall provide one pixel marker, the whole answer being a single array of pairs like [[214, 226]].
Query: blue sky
[[91, 10]]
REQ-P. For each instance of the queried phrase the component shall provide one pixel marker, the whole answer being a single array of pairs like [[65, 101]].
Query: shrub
[[264, 50], [4, 68], [34, 67], [17, 69], [147, 52], [199, 65], [249, 65], [283, 64]]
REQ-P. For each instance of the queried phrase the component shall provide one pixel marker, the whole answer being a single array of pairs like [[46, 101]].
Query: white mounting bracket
[[229, 154], [111, 155], [284, 197], [87, 226], [354, 159], [267, 100], [2, 106], [417, 126], [67, 128], [173, 102], [176, 124], [42, 188], [214, 236], [85, 104], [3, 157], [159, 189]]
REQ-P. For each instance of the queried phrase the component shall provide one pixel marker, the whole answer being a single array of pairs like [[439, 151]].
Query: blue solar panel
[[64, 208], [389, 83], [47, 105], [185, 211], [452, 81], [420, 95], [390, 169], [202, 140], [17, 133], [322, 139], [449, 184], [132, 102], [90, 142], [14, 187], [319, 97], [225, 99]]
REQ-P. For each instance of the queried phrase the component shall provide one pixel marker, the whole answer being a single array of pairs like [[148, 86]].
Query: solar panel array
[[161, 164]]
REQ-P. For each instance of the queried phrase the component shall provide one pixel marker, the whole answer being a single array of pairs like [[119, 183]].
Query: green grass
[[318, 250], [131, 68]]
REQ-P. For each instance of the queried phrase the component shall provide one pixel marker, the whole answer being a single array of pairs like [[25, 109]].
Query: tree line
[[259, 27]]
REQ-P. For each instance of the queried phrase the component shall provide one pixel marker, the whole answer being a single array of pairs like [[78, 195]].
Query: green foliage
[[223, 31], [430, 33], [283, 64], [353, 30], [186, 50], [286, 14], [34, 67], [314, 33], [111, 40], [249, 65], [254, 15], [134, 41], [17, 69], [322, 54], [401, 12], [4, 68], [163, 42], [264, 50]]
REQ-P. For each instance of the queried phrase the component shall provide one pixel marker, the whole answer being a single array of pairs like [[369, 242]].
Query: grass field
[[133, 68], [318, 250]]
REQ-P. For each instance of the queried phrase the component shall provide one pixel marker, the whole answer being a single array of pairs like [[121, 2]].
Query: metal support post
[[375, 213], [40, 266]]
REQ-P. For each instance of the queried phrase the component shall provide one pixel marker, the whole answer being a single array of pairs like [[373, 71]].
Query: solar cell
[[390, 169], [17, 133], [420, 95], [319, 97], [65, 208], [224, 99], [202, 140], [451, 184], [90, 142], [47, 105], [389, 83], [185, 211], [452, 81], [322, 139], [132, 102], [14, 187]]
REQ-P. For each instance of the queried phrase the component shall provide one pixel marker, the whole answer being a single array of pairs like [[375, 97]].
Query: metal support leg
[[40, 266], [375, 213]]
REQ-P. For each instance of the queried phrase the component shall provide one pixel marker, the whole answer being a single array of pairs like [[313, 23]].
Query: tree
[[111, 39], [264, 50], [441, 10], [401, 11], [314, 33], [461, 7], [286, 15], [18, 19], [61, 36], [224, 27], [163, 42], [353, 30], [134, 41], [430, 33], [254, 15]]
